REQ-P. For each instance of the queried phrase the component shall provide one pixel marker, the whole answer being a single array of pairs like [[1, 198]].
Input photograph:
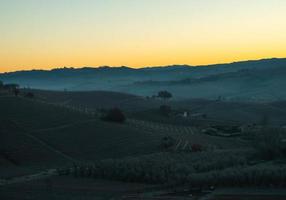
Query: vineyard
[[42, 139]]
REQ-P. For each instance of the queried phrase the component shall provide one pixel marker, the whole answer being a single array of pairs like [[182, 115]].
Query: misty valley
[[212, 132]]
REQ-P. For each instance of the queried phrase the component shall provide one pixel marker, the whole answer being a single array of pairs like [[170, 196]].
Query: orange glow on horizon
[[132, 33]]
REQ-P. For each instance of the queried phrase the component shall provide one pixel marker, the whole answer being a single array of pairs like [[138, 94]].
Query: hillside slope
[[37, 135], [93, 100], [260, 80]]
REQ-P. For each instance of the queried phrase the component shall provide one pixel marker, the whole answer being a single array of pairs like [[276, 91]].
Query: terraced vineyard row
[[184, 134], [160, 127]]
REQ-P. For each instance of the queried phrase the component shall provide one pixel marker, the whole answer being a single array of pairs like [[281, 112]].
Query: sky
[[45, 34]]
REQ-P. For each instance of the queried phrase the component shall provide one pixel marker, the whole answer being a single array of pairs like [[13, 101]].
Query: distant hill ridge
[[184, 66], [258, 80]]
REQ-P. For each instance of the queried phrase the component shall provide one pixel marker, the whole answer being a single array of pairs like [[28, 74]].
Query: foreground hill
[[148, 109], [250, 80], [37, 135]]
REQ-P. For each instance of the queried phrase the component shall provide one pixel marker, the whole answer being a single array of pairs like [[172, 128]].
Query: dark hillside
[[98, 140], [40, 134], [24, 153], [93, 100], [33, 115]]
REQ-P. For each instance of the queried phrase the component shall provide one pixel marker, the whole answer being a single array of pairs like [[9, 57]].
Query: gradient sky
[[46, 34]]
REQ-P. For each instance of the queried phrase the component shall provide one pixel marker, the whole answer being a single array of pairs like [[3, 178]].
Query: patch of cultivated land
[[26, 153], [32, 114], [97, 140], [219, 112], [93, 100]]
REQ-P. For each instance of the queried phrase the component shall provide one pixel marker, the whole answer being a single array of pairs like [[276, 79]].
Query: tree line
[[14, 89]]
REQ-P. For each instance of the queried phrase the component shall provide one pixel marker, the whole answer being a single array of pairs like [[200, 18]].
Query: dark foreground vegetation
[[263, 165]]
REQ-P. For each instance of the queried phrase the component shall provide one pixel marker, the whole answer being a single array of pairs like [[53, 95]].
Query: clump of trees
[[165, 109], [165, 95], [12, 88], [114, 115], [15, 90]]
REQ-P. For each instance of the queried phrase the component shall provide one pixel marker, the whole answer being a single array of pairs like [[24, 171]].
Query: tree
[[165, 95], [11, 86], [115, 115]]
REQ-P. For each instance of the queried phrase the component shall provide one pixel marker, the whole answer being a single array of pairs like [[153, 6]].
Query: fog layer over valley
[[261, 80]]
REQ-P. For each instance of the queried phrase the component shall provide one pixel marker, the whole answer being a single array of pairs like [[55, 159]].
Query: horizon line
[[145, 67]]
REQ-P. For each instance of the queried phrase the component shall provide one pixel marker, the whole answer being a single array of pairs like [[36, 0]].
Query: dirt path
[[51, 148]]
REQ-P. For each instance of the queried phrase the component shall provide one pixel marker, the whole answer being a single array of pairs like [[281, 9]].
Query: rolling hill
[[147, 109], [93, 100], [37, 135], [247, 81]]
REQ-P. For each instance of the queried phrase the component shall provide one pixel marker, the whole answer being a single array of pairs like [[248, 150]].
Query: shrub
[[115, 115]]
